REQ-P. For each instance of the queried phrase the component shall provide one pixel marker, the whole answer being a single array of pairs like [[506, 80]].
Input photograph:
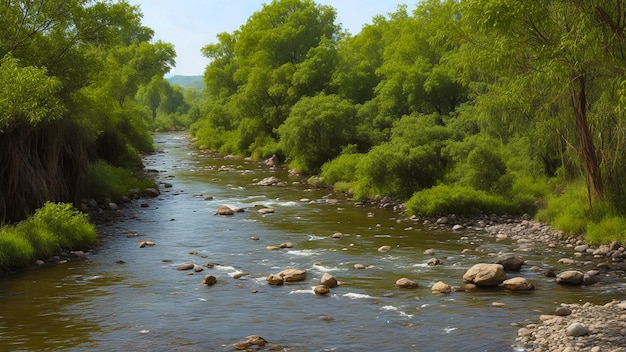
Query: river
[[125, 298]]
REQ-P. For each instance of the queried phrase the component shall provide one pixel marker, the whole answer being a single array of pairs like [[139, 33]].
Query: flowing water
[[127, 298]]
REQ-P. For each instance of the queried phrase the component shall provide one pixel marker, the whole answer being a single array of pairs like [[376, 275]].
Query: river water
[[127, 298]]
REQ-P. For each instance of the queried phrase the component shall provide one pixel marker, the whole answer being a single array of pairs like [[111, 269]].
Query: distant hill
[[187, 81]]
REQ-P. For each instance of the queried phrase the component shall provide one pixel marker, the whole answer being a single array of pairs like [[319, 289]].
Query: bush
[[569, 211], [104, 181], [53, 227], [459, 200], [611, 228], [15, 250], [342, 168]]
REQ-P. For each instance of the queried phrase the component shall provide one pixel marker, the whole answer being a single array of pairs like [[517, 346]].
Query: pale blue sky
[[191, 24]]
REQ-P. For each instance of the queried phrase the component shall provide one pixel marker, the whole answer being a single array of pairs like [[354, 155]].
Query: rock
[[143, 244], [185, 267], [272, 161], [581, 248], [272, 248], [113, 206], [511, 263], [576, 329], [570, 277], [457, 227], [321, 290], [442, 221], [562, 311], [268, 181], [359, 266], [286, 245], [429, 251], [293, 275], [484, 274], [328, 280], [433, 262], [384, 248], [406, 283], [253, 340], [151, 192], [567, 261], [518, 284], [441, 287], [337, 235], [274, 280], [264, 211], [209, 280], [589, 279], [224, 210]]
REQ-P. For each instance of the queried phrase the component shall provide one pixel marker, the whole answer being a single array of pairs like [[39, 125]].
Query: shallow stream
[[127, 298]]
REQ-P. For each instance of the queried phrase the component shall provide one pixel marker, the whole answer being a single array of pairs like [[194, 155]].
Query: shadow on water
[[146, 304]]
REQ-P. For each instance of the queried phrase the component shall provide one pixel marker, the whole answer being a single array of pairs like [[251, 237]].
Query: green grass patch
[[53, 227], [459, 200], [610, 228], [104, 181], [568, 211]]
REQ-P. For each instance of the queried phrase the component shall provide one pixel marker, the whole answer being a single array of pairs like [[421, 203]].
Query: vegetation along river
[[124, 297]]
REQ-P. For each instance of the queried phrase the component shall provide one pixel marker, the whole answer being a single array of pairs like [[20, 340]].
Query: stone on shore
[[269, 181], [253, 340], [577, 329], [484, 274]]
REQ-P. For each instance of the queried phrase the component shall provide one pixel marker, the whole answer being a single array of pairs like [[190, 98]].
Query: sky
[[192, 24]]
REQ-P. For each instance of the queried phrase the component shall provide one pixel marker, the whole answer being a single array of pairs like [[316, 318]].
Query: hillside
[[187, 81]]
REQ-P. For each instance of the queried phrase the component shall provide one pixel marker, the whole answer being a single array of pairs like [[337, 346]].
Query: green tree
[[316, 131]]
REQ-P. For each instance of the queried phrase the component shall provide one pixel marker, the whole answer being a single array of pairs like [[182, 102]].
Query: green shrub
[[106, 181], [71, 227], [610, 228], [459, 200], [569, 211], [53, 227], [342, 168], [15, 250]]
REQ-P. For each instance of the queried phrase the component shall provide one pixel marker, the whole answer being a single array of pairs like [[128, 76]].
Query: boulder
[[441, 287], [429, 251], [511, 263], [272, 161], [293, 275], [253, 340], [577, 329], [484, 274], [321, 290], [406, 283], [433, 262], [337, 235], [328, 280], [384, 248], [264, 211], [518, 284], [185, 267], [359, 266], [151, 192], [590, 279], [268, 181], [224, 210], [570, 277], [562, 311], [209, 280], [275, 280]]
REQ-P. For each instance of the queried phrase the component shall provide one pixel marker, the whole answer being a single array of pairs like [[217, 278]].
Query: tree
[[316, 131]]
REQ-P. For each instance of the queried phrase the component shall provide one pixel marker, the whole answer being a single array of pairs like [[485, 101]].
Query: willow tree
[[53, 105], [559, 63]]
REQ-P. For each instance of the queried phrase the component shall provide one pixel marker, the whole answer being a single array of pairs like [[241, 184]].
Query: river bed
[[124, 297]]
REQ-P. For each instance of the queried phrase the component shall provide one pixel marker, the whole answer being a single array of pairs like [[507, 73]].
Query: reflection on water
[[146, 304]]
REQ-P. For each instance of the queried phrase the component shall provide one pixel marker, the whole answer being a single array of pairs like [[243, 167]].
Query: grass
[[53, 228]]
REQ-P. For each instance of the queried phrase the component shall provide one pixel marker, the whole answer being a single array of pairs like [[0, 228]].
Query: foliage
[[610, 228], [459, 200], [53, 227], [316, 131], [105, 181], [568, 211]]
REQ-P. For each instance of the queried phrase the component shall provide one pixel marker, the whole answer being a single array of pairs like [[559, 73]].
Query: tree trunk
[[587, 147]]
